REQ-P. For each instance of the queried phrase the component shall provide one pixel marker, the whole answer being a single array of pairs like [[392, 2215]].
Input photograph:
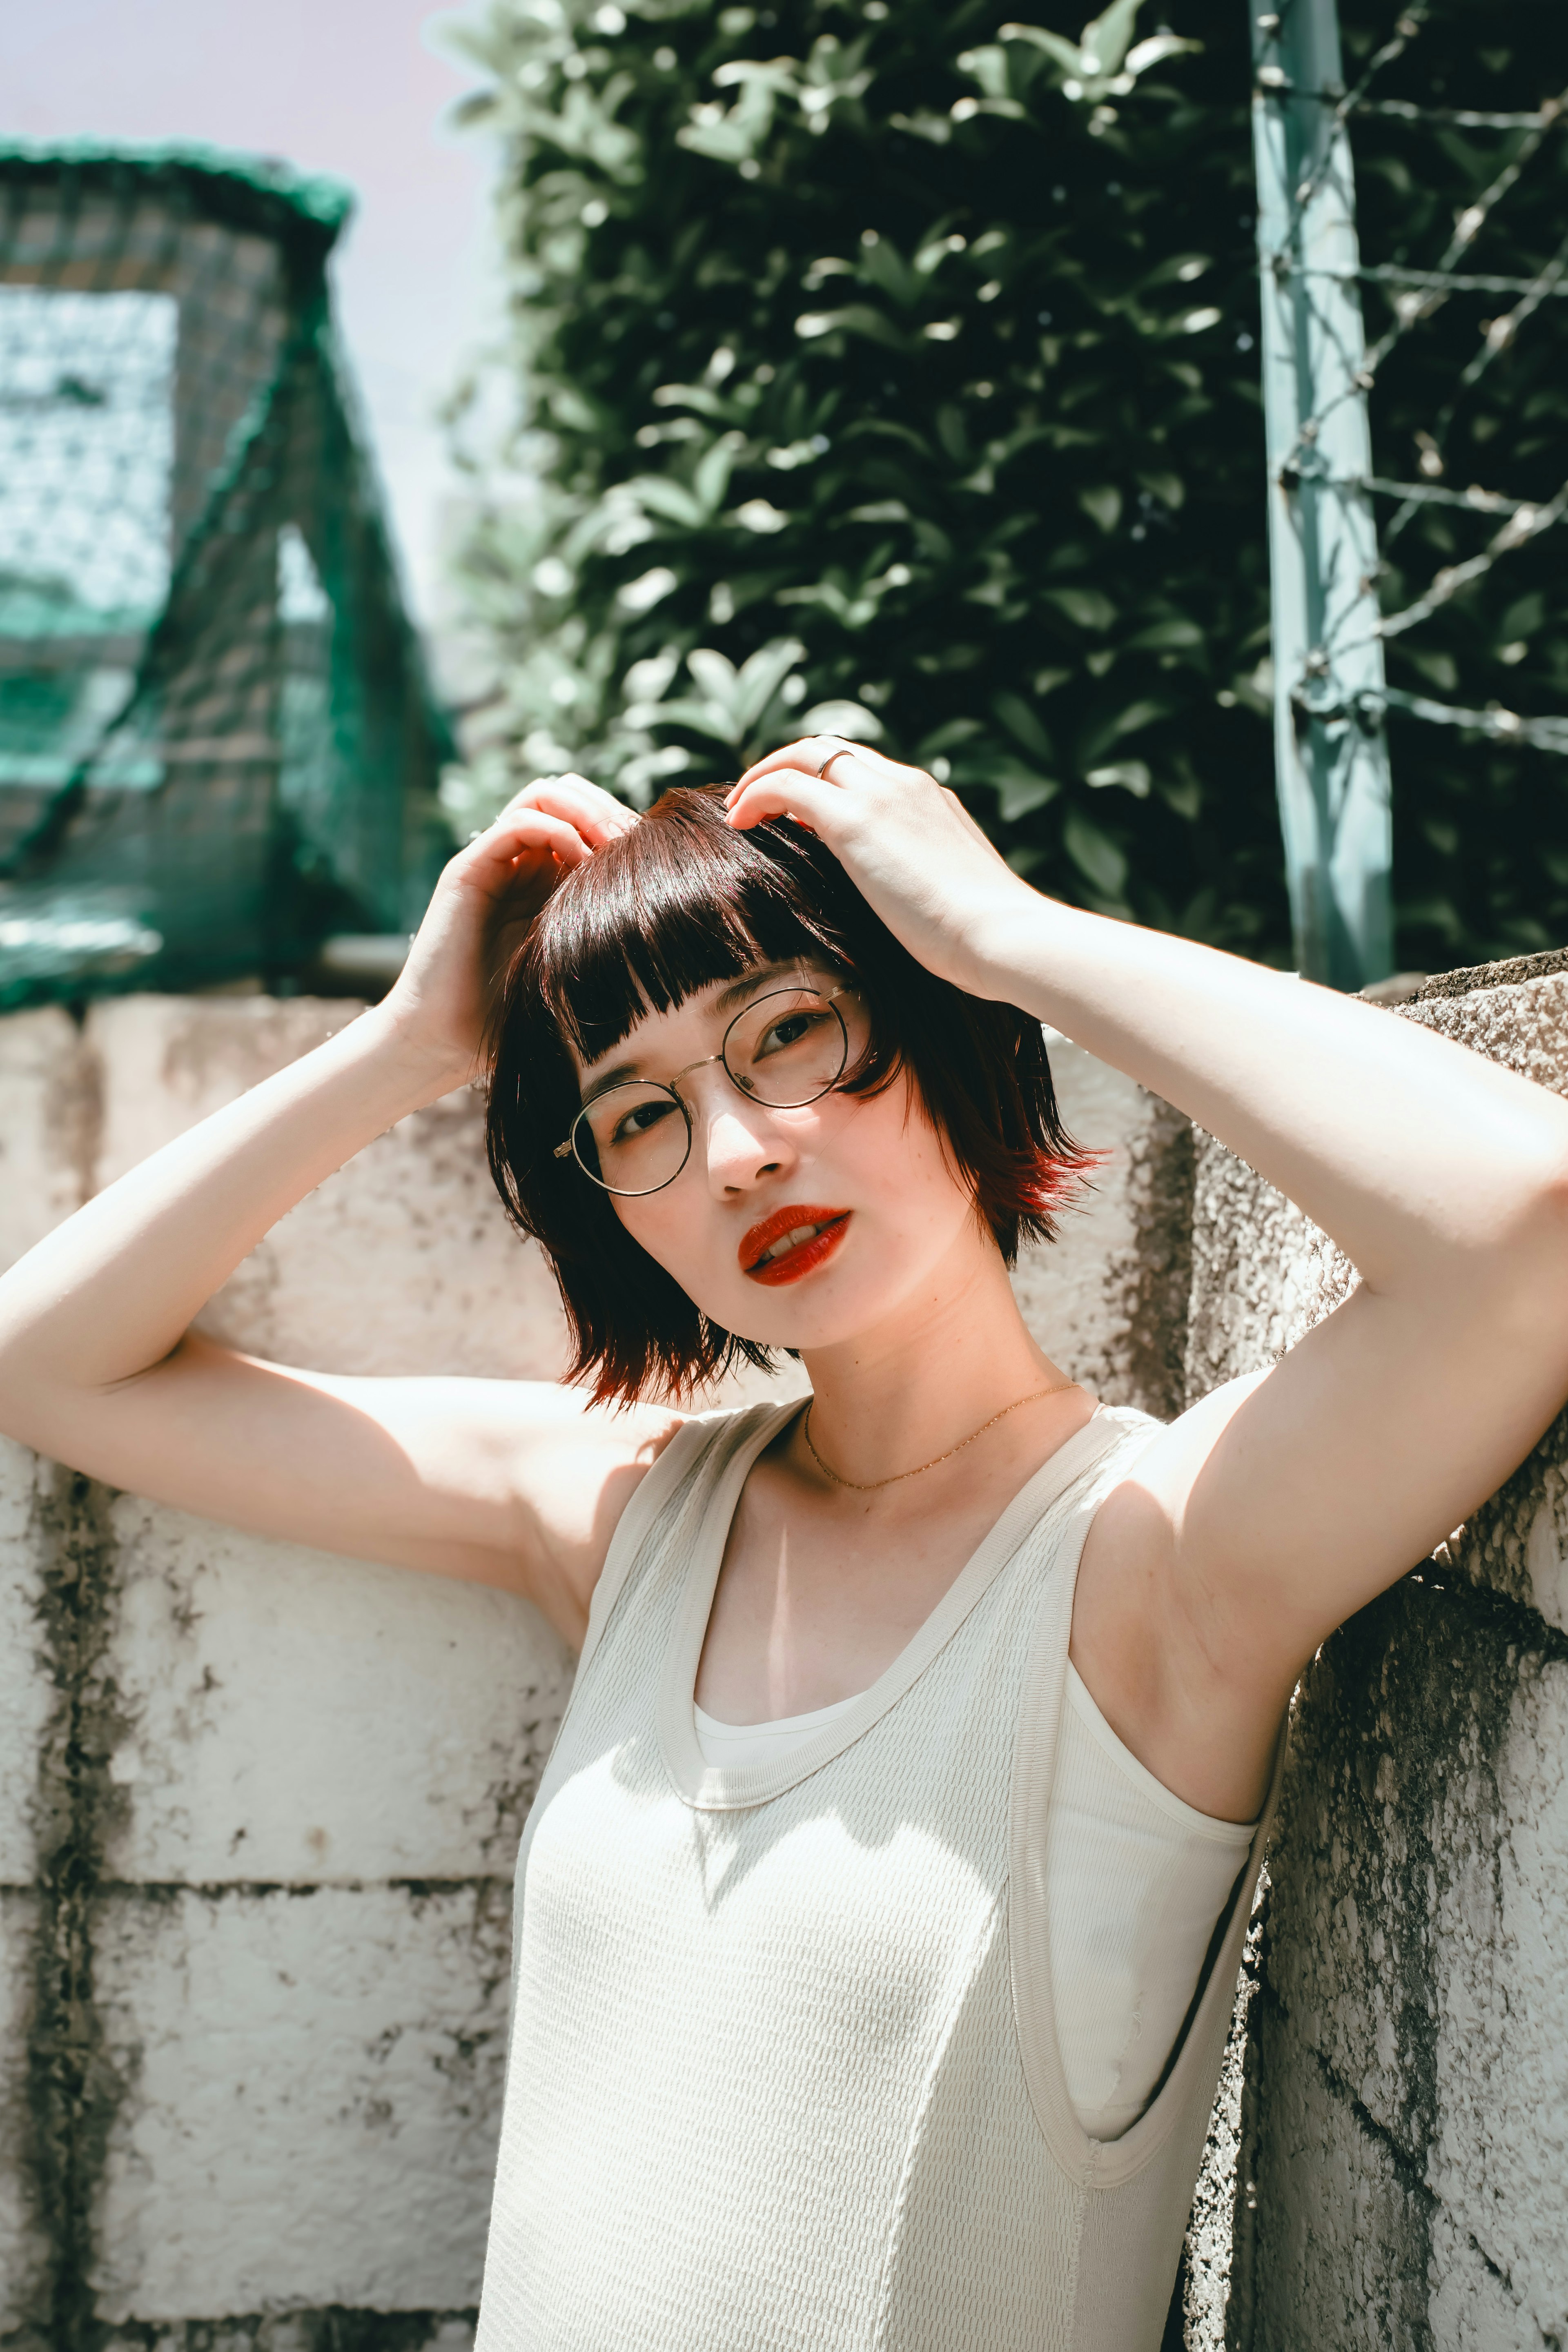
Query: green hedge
[[882, 373]]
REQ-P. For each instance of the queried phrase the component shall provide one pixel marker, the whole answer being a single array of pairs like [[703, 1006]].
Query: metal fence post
[[1331, 766]]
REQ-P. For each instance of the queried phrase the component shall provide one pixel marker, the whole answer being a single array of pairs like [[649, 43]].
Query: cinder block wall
[[1402, 2181], [260, 1805]]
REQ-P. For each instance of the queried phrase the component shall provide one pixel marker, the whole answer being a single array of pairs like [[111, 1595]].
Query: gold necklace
[[870, 1486]]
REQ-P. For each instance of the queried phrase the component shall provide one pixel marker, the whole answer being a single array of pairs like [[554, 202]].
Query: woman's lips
[[801, 1238]]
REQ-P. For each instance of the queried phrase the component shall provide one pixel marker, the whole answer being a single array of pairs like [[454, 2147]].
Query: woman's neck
[[928, 1375], [821, 1586]]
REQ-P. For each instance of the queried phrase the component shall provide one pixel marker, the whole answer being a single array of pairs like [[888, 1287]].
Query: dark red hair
[[675, 903]]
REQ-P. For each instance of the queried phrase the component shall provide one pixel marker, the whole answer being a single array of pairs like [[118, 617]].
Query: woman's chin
[[787, 1318]]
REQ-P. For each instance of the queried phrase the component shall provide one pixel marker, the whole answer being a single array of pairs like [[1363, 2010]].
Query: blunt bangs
[[677, 903]]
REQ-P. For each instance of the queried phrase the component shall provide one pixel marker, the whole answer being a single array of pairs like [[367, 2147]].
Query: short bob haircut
[[675, 903]]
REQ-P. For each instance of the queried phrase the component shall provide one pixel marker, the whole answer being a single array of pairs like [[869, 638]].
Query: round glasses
[[784, 1050]]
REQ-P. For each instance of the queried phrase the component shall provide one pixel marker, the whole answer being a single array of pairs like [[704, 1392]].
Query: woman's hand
[[911, 847], [482, 910]]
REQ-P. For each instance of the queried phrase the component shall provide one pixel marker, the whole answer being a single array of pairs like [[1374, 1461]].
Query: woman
[[879, 1908]]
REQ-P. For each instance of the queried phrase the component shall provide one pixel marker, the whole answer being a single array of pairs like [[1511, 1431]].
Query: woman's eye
[[640, 1122], [787, 1031]]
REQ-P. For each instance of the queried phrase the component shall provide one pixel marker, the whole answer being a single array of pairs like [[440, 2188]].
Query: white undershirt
[[1134, 1882]]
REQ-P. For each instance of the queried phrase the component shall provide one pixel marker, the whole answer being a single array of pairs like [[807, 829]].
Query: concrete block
[[1522, 1024], [1338, 2251], [49, 1119], [1385, 1848], [302, 2331], [313, 2091], [1414, 1975], [168, 1061], [1263, 1274], [26, 1694], [1473, 2307], [402, 1261], [298, 1717], [1517, 1542], [1109, 1299], [24, 2267], [1498, 2160]]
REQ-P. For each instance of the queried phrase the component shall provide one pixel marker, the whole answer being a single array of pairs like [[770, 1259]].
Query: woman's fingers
[[517, 832], [594, 815], [815, 752], [780, 791], [812, 753], [806, 756], [597, 815]]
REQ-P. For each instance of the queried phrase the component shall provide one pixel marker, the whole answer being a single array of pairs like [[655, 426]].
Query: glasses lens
[[632, 1138], [793, 1044]]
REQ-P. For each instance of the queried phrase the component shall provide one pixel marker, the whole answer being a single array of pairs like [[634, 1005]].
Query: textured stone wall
[[260, 1804], [1402, 2126]]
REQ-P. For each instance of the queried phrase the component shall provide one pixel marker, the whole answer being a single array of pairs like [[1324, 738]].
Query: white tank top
[[784, 2070], [1134, 1882]]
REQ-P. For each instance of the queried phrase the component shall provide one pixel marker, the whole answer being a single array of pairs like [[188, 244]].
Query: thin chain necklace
[[870, 1486]]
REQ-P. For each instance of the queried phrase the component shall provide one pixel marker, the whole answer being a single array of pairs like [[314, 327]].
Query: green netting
[[216, 737]]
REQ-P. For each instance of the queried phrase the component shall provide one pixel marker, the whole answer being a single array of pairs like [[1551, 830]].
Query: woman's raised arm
[[504, 1481], [1277, 1506]]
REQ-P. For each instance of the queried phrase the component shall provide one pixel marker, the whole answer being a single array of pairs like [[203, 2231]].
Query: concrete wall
[[256, 1865], [261, 1804], [1403, 2128]]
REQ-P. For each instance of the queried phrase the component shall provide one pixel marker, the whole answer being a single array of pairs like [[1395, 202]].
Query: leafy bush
[[891, 370]]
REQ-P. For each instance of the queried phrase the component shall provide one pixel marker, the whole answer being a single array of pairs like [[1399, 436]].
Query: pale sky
[[357, 87]]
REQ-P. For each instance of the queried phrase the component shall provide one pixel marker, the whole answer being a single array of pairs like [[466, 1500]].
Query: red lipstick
[[819, 1232]]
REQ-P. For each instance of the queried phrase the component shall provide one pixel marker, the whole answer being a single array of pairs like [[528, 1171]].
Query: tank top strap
[[682, 1480]]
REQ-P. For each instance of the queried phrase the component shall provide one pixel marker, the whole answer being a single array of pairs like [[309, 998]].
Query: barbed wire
[[1502, 726], [1395, 273], [1526, 523], [1461, 117], [1442, 280], [1421, 293], [1436, 494]]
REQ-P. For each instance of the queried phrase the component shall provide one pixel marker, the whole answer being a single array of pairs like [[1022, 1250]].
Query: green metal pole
[[1331, 766]]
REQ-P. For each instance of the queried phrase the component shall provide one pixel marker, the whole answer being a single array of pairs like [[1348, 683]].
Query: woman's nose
[[741, 1142]]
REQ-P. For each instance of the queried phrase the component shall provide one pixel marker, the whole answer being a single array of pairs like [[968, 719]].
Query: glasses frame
[[672, 1087]]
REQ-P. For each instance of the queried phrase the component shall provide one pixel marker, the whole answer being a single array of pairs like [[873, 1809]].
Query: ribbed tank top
[[783, 2071], [1134, 1882]]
